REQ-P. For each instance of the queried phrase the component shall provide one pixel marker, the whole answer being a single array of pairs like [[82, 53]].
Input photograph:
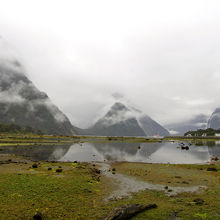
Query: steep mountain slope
[[151, 127], [23, 104], [117, 122], [214, 121], [197, 122], [123, 121]]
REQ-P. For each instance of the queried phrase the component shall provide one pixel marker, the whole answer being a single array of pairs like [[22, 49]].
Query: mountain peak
[[118, 110], [118, 106], [23, 104], [121, 120], [214, 120], [217, 110]]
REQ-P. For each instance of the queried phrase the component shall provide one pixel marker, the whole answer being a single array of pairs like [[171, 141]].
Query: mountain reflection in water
[[134, 152], [165, 152], [38, 152]]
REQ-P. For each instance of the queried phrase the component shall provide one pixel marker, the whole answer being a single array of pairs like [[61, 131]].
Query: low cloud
[[172, 132], [117, 95], [164, 59], [17, 89]]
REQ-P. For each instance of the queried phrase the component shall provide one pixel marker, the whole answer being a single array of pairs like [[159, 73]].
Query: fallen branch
[[126, 212]]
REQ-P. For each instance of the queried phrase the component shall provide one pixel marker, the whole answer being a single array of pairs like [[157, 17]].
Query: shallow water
[[166, 152], [127, 185]]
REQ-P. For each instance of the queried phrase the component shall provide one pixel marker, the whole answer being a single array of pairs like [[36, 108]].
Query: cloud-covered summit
[[23, 104], [214, 120], [165, 57], [123, 120]]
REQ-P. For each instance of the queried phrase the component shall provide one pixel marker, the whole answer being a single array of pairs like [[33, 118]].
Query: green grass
[[77, 194], [73, 194], [33, 139], [171, 174]]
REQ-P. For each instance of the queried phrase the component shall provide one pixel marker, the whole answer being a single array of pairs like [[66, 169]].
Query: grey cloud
[[164, 60], [117, 95]]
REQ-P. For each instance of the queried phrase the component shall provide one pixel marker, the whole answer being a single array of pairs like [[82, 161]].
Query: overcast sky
[[161, 56]]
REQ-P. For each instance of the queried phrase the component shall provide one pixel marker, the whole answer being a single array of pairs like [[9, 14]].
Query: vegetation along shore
[[97, 190]]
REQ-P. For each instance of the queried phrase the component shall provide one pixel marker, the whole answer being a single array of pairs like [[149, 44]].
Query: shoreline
[[30, 139], [86, 190], [80, 190]]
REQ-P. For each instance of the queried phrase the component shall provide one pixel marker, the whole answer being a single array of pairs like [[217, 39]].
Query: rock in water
[[128, 211]]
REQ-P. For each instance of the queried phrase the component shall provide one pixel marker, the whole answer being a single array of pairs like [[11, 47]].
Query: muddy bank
[[126, 185]]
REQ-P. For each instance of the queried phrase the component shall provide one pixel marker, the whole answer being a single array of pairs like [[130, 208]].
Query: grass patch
[[73, 194], [174, 175]]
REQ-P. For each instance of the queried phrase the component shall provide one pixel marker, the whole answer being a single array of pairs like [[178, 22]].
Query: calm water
[[166, 152]]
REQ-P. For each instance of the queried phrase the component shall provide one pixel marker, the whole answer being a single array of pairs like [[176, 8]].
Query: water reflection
[[134, 152], [110, 152], [170, 154], [166, 152], [213, 147], [38, 152]]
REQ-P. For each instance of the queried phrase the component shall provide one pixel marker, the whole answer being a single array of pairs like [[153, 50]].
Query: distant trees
[[203, 132], [28, 129], [9, 128], [13, 128]]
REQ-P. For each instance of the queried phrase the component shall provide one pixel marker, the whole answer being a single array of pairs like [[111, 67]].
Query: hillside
[[121, 120], [23, 104]]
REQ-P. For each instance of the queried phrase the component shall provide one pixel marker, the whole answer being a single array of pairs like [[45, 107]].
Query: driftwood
[[126, 212]]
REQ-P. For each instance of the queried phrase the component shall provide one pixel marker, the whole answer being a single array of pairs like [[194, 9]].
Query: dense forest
[[13, 128], [203, 132]]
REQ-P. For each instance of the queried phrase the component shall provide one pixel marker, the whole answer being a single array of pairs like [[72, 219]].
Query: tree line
[[203, 132], [13, 128]]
